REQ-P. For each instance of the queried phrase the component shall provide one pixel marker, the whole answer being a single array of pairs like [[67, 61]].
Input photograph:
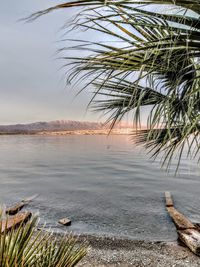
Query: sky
[[32, 86]]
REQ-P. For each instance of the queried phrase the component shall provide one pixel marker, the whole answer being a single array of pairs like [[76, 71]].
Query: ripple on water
[[116, 191]]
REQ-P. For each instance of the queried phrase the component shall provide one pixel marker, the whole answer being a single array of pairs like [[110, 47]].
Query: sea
[[104, 184]]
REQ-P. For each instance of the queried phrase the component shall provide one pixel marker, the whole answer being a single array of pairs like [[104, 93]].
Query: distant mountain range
[[54, 126]]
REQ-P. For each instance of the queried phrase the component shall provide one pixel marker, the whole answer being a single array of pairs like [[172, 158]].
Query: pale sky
[[32, 88]]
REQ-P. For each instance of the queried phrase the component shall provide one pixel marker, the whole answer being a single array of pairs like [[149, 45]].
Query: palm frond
[[154, 60], [193, 5], [28, 247], [170, 142]]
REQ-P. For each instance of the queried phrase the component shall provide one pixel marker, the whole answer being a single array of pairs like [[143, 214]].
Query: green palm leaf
[[154, 61], [29, 247]]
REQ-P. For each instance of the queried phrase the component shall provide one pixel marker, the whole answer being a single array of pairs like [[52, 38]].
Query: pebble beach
[[110, 252]]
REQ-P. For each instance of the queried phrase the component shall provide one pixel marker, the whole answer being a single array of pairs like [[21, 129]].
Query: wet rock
[[65, 221]]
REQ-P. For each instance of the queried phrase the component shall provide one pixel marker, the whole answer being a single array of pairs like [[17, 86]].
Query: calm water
[[104, 184]]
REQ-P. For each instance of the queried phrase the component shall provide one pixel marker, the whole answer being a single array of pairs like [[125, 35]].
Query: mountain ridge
[[55, 126]]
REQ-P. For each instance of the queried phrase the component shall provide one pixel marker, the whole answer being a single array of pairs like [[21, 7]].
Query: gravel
[[110, 252]]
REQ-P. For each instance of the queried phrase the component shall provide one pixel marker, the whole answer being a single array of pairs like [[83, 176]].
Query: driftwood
[[14, 221], [169, 201], [19, 206], [15, 209], [181, 222], [197, 226], [191, 238], [188, 233]]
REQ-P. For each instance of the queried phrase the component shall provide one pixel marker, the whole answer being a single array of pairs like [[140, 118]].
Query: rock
[[65, 221]]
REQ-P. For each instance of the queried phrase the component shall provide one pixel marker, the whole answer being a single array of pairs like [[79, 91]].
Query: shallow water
[[104, 184]]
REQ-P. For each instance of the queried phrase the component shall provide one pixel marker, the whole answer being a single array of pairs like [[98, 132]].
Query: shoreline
[[124, 131], [112, 251]]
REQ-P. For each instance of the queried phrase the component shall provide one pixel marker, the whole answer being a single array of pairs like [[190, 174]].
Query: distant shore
[[90, 132], [111, 252], [124, 131]]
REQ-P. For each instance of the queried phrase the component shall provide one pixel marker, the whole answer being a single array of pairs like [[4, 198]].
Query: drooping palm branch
[[153, 61]]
